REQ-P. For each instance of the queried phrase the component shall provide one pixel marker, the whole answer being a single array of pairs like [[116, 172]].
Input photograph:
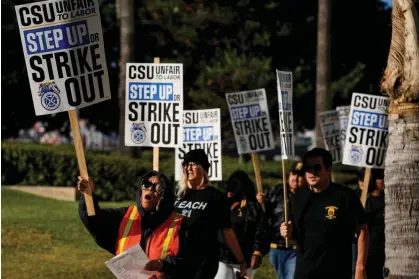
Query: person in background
[[247, 220], [147, 223], [207, 211], [282, 259], [358, 191], [325, 218], [375, 215], [360, 175]]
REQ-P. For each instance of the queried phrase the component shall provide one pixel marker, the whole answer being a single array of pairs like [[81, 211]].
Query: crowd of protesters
[[194, 230]]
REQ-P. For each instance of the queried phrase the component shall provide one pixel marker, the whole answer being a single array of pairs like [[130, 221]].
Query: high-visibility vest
[[163, 242]]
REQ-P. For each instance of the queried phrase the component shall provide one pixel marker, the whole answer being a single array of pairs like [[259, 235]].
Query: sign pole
[[284, 182], [156, 149], [258, 178], [364, 193], [72, 114]]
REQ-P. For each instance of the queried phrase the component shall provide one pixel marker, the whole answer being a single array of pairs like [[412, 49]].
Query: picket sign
[[61, 84], [201, 130], [286, 120], [156, 150], [250, 121], [367, 135]]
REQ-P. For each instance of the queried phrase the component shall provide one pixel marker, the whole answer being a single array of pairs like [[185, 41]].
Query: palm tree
[[401, 83], [125, 13], [323, 64]]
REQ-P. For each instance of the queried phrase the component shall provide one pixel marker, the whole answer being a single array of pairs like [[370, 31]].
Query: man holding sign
[[282, 258], [325, 218]]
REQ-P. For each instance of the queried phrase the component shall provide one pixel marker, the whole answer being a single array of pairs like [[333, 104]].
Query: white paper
[[130, 264]]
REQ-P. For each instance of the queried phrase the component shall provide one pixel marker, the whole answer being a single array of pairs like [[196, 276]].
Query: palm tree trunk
[[125, 12], [323, 64], [401, 83]]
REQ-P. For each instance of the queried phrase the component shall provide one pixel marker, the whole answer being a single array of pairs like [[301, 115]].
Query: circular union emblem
[[50, 100], [138, 136], [355, 156]]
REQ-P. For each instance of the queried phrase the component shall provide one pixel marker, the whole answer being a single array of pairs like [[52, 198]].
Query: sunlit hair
[[183, 182]]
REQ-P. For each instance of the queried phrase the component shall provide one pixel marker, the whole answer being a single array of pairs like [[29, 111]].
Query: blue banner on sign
[[56, 37], [246, 112], [198, 133], [369, 119], [147, 91]]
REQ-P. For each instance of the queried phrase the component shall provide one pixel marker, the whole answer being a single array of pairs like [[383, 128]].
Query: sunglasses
[[190, 164], [313, 168], [150, 185]]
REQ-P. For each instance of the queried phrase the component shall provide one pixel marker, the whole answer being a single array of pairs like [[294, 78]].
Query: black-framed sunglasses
[[312, 168], [192, 164], [147, 185]]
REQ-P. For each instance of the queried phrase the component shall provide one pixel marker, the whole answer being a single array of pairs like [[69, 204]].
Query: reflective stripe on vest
[[166, 240], [127, 229], [169, 236]]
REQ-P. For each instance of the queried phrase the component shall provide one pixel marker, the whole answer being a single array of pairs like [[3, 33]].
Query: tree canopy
[[225, 46]]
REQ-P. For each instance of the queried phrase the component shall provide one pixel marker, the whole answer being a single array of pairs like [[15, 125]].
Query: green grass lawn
[[44, 238]]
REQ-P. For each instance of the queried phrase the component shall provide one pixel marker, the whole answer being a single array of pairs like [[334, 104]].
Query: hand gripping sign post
[[201, 130], [330, 126], [284, 83], [65, 60], [367, 135], [154, 106], [251, 125]]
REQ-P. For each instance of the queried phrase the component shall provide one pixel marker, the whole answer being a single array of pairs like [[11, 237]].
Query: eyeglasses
[[313, 168], [147, 185], [190, 164]]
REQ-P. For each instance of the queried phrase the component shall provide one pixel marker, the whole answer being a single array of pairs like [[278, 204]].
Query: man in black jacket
[[283, 259], [248, 225], [325, 216]]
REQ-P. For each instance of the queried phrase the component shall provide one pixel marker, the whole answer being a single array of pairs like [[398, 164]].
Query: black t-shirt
[[207, 212], [325, 232]]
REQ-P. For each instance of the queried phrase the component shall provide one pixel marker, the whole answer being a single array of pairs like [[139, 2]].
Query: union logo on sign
[[355, 154], [50, 99], [138, 132]]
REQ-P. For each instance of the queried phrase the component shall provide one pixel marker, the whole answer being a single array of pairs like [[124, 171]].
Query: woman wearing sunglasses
[[147, 223], [207, 212]]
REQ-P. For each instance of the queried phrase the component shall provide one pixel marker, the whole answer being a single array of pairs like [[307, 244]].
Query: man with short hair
[[324, 219], [283, 259]]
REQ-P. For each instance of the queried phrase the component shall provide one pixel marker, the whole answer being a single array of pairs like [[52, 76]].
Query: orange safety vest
[[163, 242]]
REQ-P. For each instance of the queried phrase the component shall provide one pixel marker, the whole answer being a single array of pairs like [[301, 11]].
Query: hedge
[[116, 177]]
